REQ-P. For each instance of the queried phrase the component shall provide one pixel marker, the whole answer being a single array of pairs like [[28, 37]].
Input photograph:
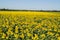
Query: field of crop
[[29, 25]]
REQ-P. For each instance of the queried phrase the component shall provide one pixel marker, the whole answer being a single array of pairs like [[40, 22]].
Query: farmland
[[19, 25]]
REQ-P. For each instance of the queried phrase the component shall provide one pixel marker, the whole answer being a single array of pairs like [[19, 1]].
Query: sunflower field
[[29, 26]]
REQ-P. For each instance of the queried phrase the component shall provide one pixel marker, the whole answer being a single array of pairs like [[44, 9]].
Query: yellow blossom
[[50, 33], [26, 30], [16, 29], [29, 34], [43, 35], [44, 28], [4, 35], [16, 35], [58, 38], [35, 37], [9, 31], [57, 35], [22, 35]]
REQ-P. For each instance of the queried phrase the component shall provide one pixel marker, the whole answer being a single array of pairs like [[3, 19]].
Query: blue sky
[[31, 4]]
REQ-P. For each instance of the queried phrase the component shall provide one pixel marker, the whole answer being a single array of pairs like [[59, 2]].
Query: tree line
[[30, 10]]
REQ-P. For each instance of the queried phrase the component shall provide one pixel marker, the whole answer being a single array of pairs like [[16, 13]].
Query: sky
[[31, 4]]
